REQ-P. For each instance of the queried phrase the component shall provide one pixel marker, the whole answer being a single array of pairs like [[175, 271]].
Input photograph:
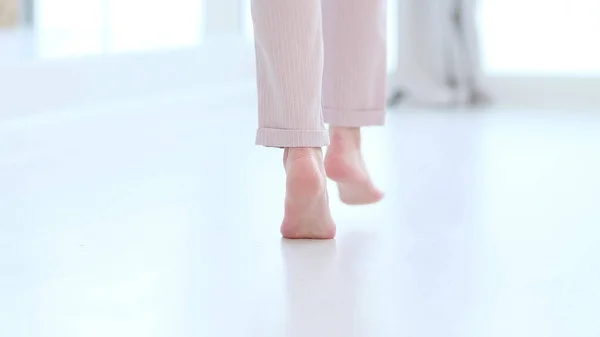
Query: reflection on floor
[[159, 218]]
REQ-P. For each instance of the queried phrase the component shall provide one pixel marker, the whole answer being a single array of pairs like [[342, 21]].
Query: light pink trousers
[[318, 61]]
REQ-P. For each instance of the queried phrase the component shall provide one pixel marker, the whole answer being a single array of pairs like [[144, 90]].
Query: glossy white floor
[[158, 217]]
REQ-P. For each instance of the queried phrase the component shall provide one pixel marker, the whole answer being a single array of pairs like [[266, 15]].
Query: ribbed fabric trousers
[[318, 61]]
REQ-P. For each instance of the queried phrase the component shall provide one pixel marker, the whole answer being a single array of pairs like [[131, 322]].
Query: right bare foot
[[307, 214], [345, 165]]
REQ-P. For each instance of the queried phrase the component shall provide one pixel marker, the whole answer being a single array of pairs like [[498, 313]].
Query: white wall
[[541, 36], [89, 27]]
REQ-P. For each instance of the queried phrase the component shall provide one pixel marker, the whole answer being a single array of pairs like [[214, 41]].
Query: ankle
[[300, 152], [345, 136]]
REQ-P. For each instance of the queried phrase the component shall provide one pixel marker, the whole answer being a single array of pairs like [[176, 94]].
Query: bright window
[[541, 36], [84, 27]]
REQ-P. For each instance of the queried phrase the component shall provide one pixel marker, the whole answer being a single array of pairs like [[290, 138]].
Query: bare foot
[[345, 165], [307, 214]]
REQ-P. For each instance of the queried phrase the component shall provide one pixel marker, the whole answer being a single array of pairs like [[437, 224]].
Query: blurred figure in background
[[439, 61], [320, 61]]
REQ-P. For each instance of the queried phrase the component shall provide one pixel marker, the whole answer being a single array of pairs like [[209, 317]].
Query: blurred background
[[529, 49], [553, 37]]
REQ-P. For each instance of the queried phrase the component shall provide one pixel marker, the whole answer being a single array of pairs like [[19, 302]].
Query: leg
[[472, 50], [289, 53], [455, 56], [354, 82], [422, 65]]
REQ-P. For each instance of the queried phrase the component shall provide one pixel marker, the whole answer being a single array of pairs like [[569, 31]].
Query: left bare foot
[[307, 214], [344, 164]]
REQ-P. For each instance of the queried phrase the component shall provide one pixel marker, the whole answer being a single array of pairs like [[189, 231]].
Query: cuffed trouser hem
[[354, 118], [292, 138]]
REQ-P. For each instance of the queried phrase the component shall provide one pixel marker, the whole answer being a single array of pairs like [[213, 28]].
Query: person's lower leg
[[353, 90], [289, 52], [345, 165]]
